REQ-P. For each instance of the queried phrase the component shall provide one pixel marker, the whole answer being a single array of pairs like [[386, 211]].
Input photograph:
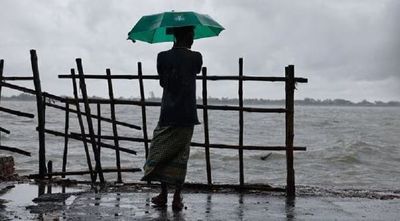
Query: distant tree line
[[249, 101]]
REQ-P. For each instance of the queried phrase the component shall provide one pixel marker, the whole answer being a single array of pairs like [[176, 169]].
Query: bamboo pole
[[1, 71], [205, 122], [95, 116], [66, 131], [143, 106], [15, 150], [241, 171], [199, 106], [17, 113], [98, 130], [1, 80], [89, 119], [290, 86], [82, 128], [212, 78], [211, 145], [83, 172], [76, 136], [16, 78], [114, 125], [3, 130], [40, 113]]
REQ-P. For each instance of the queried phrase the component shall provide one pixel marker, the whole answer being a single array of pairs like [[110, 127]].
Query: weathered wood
[[212, 78], [16, 78], [289, 87], [205, 123], [143, 106], [15, 150], [18, 88], [76, 136], [89, 119], [114, 126], [199, 106], [40, 113], [66, 131], [98, 130], [76, 173], [49, 169], [95, 116], [211, 145], [1, 75], [82, 127], [241, 171], [3, 130], [17, 113]]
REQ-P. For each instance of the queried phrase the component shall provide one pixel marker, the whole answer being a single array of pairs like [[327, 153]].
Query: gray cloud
[[347, 49]]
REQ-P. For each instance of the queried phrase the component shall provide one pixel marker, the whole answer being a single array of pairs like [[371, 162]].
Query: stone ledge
[[6, 166]]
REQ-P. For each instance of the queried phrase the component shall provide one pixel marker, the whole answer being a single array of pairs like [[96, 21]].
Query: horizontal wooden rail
[[94, 116], [60, 134], [4, 130], [246, 147], [212, 78], [16, 78], [15, 150], [195, 144], [110, 137], [17, 113], [31, 91], [84, 172], [18, 88], [152, 103], [199, 106]]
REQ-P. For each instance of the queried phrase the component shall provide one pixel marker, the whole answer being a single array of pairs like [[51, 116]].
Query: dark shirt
[[177, 69]]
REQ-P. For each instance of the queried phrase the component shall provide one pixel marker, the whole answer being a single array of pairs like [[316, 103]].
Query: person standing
[[170, 146]]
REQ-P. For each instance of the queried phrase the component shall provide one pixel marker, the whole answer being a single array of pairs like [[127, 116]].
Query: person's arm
[[160, 70], [199, 63]]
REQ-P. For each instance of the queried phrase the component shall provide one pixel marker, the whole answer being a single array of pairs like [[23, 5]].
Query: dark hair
[[180, 32]]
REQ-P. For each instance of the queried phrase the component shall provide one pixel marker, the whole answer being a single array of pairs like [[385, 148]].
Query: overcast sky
[[347, 49]]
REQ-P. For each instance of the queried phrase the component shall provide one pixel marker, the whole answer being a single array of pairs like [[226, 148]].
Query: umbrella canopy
[[153, 28]]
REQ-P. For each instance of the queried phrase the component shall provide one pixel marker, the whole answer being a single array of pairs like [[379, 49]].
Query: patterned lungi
[[168, 154]]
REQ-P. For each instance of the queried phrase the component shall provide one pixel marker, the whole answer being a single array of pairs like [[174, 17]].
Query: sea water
[[347, 147]]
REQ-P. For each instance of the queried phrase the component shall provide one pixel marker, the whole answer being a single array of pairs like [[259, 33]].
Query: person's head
[[183, 36]]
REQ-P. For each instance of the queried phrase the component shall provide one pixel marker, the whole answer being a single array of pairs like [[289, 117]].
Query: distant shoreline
[[254, 101]]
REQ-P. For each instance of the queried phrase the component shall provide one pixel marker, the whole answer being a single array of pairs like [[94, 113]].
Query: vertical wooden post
[[290, 86], [205, 122], [89, 119], [40, 114], [143, 105], [1, 80], [66, 131], [1, 74], [114, 125], [82, 127], [99, 127], [50, 169], [98, 105], [241, 177]]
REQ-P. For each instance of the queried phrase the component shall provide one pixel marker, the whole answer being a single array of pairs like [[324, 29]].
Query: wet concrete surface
[[133, 203]]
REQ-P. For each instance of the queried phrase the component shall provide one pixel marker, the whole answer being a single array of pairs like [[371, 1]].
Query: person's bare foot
[[160, 200], [177, 204]]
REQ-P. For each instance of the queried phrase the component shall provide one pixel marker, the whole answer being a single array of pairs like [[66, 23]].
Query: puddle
[[21, 196]]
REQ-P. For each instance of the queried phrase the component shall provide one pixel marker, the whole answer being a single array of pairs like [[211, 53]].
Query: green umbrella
[[153, 28]]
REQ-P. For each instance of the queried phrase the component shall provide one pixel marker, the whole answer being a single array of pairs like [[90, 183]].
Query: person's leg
[[177, 203], [162, 198]]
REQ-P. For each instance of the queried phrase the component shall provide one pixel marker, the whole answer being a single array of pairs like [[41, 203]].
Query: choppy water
[[346, 146]]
